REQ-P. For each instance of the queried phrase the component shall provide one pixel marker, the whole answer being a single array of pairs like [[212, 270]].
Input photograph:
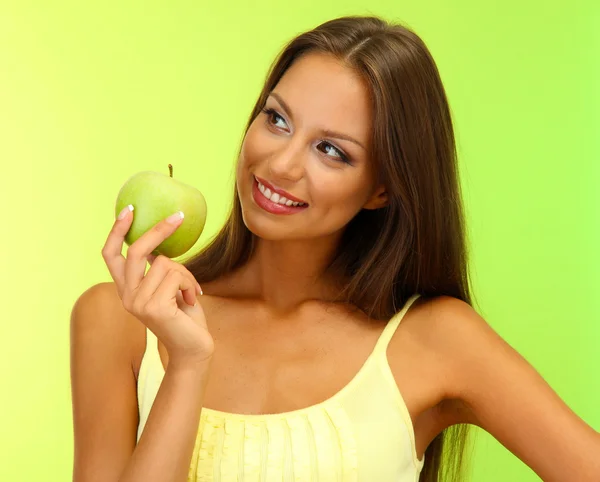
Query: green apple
[[156, 196]]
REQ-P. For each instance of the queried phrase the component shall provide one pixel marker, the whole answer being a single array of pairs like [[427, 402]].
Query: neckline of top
[[382, 342]]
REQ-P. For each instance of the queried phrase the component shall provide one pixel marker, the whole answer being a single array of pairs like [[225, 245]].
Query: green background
[[91, 94]]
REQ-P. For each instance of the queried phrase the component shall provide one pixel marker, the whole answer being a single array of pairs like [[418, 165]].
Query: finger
[[111, 251], [189, 295], [138, 252], [151, 258], [154, 277], [156, 274], [173, 283]]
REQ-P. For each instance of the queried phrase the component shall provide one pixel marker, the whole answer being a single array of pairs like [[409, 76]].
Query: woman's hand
[[165, 299]]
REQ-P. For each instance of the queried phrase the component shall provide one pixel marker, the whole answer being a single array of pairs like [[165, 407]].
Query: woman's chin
[[261, 229], [265, 233]]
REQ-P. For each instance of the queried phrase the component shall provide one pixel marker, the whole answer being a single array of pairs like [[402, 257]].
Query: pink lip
[[270, 206], [281, 192]]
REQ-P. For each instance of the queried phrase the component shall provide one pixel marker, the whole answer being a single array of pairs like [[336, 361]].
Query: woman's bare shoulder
[[126, 327], [423, 319], [408, 347], [417, 344]]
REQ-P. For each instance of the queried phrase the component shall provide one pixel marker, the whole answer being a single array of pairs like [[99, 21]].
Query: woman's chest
[[268, 365], [264, 364]]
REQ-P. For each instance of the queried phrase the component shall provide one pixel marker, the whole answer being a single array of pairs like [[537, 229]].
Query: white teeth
[[276, 198]]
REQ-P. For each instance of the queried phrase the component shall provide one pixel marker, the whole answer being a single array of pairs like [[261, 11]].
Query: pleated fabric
[[363, 433]]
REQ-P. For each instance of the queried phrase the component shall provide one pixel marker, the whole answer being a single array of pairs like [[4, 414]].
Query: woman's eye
[[272, 113], [339, 155]]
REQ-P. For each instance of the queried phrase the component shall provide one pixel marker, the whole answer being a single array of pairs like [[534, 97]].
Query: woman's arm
[[104, 399], [502, 393], [164, 451]]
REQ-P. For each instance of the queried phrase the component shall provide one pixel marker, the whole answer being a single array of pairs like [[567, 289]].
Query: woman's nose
[[288, 164]]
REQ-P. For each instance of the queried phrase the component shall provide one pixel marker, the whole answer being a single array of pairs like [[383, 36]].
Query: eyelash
[[270, 112]]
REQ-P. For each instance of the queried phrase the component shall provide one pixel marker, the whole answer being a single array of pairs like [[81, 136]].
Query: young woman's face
[[286, 147]]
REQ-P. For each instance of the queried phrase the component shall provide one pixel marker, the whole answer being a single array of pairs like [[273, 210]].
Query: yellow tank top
[[362, 433]]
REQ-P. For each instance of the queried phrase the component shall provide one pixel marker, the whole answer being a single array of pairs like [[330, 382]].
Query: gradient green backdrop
[[91, 94]]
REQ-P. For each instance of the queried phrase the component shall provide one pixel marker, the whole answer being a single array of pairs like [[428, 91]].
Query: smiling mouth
[[268, 205], [277, 198]]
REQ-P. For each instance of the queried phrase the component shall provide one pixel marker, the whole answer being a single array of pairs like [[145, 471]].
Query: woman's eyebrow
[[326, 132]]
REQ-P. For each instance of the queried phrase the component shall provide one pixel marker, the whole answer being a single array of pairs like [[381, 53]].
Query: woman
[[335, 338]]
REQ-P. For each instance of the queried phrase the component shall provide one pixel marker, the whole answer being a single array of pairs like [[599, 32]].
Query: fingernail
[[125, 210], [175, 218], [200, 288]]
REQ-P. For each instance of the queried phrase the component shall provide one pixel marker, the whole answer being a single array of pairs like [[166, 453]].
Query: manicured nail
[[126, 210], [175, 218]]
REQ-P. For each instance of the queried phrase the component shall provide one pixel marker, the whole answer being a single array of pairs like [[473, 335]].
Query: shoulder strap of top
[[392, 325]]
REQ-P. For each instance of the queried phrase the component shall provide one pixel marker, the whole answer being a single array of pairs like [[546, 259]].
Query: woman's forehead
[[323, 93]]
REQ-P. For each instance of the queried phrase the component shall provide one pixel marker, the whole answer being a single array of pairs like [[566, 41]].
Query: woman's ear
[[378, 200]]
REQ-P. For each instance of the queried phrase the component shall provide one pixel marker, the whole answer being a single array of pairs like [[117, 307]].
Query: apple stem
[[171, 170]]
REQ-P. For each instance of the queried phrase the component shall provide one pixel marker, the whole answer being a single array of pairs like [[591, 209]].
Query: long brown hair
[[416, 243]]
